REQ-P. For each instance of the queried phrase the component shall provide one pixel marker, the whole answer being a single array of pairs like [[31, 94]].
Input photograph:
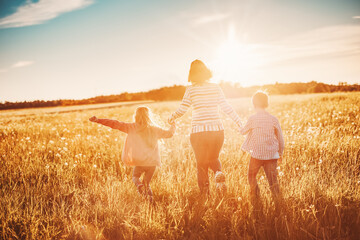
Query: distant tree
[[319, 88], [176, 92]]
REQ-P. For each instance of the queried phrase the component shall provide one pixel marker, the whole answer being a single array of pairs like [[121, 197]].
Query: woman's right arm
[[184, 106], [114, 124]]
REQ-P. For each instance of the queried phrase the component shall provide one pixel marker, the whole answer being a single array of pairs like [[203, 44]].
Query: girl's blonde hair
[[145, 124]]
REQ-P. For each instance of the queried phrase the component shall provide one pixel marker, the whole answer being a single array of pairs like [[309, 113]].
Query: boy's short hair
[[260, 99]]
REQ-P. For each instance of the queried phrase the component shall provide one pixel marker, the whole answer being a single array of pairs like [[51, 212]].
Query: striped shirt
[[264, 138], [205, 100]]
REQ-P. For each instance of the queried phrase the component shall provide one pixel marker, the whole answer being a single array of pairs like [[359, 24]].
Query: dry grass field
[[62, 177]]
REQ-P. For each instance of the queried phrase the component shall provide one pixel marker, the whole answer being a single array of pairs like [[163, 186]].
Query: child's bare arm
[[114, 124]]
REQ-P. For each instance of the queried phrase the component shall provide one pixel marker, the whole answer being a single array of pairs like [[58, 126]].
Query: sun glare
[[236, 62]]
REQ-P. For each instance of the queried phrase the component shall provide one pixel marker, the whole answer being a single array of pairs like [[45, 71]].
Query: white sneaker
[[141, 189], [220, 182]]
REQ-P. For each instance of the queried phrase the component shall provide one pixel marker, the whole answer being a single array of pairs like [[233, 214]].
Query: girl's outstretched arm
[[114, 124]]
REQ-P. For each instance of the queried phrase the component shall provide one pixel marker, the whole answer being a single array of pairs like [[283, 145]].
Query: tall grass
[[62, 177]]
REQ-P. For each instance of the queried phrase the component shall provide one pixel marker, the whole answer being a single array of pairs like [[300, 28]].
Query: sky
[[75, 49]]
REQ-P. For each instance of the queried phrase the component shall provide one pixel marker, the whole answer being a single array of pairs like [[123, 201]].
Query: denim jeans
[[207, 146], [148, 174], [270, 168]]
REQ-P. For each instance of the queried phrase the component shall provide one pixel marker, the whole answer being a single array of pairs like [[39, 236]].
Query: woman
[[207, 134]]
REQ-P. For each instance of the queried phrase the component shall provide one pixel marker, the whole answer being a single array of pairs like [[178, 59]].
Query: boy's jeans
[[207, 146], [271, 175]]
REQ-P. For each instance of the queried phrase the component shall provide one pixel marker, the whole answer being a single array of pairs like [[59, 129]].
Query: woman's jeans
[[207, 146], [270, 169]]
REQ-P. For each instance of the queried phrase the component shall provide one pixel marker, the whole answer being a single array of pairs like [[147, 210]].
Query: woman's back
[[205, 99]]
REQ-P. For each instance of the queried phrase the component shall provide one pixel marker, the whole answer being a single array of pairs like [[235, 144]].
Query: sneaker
[[219, 177], [141, 189], [220, 182]]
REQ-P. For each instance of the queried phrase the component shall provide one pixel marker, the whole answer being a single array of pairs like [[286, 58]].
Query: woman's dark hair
[[199, 73]]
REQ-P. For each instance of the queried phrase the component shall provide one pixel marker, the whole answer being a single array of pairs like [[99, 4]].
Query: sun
[[236, 62]]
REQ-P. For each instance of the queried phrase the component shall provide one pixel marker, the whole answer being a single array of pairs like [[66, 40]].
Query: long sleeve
[[162, 133], [226, 108], [184, 106], [248, 126], [280, 137], [114, 124]]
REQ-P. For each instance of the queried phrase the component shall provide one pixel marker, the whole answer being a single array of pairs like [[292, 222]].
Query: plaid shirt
[[264, 138]]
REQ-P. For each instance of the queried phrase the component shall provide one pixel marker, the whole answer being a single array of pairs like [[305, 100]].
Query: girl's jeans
[[148, 174], [207, 146]]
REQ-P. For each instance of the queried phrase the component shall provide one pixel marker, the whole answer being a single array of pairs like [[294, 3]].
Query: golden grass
[[62, 178]]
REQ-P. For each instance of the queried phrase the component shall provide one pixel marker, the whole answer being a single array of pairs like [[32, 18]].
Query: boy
[[265, 143]]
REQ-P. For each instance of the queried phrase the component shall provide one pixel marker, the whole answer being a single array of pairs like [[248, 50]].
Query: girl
[[207, 133], [141, 146]]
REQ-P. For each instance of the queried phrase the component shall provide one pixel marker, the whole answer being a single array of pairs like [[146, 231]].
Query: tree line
[[177, 91]]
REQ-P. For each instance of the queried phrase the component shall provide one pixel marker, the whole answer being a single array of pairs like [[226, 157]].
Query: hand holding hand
[[93, 119], [171, 121], [238, 129]]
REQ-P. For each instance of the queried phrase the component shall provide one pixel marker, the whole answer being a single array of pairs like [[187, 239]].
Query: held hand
[[93, 119], [171, 121], [238, 129], [279, 161]]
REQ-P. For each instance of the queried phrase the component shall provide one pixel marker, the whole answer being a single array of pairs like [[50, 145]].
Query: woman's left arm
[[226, 108]]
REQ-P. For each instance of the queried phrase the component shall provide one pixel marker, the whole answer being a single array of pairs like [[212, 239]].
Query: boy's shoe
[[220, 182]]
